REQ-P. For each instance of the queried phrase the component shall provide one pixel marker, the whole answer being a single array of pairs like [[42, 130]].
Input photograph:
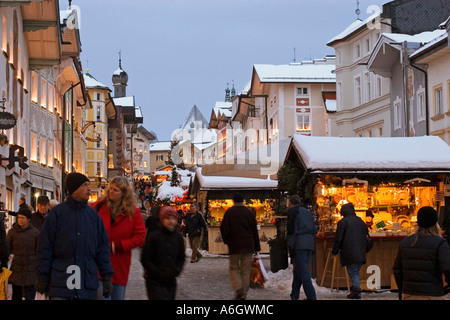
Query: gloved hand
[[42, 286], [107, 287]]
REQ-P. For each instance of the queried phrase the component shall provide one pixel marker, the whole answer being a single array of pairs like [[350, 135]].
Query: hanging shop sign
[[7, 120]]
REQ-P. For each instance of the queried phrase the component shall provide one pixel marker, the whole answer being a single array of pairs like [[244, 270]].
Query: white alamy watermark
[[74, 280]]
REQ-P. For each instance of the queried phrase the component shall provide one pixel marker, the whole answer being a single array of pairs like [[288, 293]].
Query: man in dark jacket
[[42, 208], [422, 259], [301, 232], [239, 232], [351, 241], [74, 247], [195, 223]]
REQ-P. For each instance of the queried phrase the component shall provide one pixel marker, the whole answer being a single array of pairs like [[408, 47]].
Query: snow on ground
[[280, 282]]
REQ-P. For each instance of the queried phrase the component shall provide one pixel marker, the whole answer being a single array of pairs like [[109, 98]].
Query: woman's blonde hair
[[129, 198]]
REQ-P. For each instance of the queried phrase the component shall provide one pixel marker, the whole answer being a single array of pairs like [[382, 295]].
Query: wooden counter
[[383, 255], [216, 245]]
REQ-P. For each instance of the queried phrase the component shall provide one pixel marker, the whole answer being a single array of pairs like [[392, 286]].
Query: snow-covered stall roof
[[427, 153], [232, 183]]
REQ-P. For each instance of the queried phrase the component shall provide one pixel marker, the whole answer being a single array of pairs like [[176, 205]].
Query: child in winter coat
[[163, 257]]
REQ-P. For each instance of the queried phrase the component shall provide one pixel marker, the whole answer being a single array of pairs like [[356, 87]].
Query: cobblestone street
[[205, 280]]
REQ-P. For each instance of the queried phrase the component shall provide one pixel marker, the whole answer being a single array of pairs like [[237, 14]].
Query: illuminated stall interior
[[265, 210], [394, 205]]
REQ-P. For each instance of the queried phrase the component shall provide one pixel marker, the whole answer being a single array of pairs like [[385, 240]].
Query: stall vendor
[[369, 219]]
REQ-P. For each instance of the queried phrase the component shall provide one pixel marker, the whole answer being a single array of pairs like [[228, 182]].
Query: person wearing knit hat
[[167, 212], [22, 242], [427, 217], [74, 180], [422, 259], [74, 234], [163, 257]]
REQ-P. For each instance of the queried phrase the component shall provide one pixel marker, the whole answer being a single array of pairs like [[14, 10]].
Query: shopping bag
[[4, 283], [256, 276], [263, 270]]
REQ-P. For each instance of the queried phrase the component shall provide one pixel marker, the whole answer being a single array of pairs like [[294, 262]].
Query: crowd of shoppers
[[75, 250]]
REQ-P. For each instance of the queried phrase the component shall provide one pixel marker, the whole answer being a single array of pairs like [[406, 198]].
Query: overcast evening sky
[[178, 53]]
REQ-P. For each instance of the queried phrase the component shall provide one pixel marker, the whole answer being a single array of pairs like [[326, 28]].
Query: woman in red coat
[[125, 227]]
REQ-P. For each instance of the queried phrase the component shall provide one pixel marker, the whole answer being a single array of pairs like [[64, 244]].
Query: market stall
[[214, 195], [387, 179]]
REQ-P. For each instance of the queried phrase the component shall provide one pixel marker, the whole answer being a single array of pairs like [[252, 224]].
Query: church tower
[[120, 79]]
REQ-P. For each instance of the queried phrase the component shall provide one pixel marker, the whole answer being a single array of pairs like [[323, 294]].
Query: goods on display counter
[[388, 209]]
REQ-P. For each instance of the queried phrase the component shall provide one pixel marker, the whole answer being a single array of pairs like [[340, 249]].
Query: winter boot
[[355, 293]]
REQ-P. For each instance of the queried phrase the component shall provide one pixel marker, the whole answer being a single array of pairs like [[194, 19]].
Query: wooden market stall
[[389, 178], [214, 195]]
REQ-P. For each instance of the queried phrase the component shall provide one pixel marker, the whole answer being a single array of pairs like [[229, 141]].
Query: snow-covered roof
[[296, 72], [427, 153], [124, 101], [431, 43], [224, 107], [418, 39], [93, 83], [233, 183], [353, 27], [160, 146]]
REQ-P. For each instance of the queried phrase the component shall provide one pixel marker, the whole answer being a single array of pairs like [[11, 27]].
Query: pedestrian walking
[[42, 208], [351, 243], [73, 247], [22, 205], [195, 224], [422, 259], [240, 234], [163, 257], [22, 242], [125, 228], [301, 231]]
